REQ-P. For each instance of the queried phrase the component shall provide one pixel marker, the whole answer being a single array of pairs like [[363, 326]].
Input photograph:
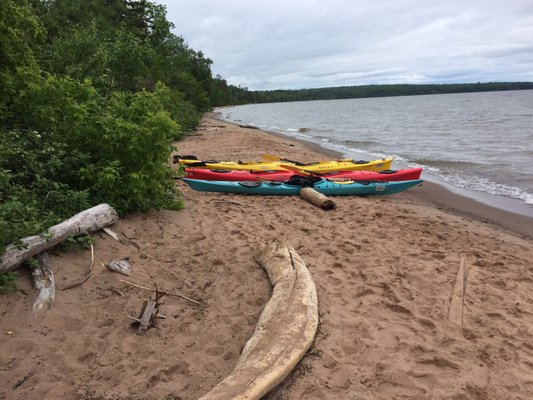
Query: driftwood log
[[90, 220], [44, 282], [317, 199], [457, 302], [284, 333], [149, 313]]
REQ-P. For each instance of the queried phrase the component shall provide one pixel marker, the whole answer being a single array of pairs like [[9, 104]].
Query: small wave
[[447, 164], [373, 154], [479, 184], [359, 143]]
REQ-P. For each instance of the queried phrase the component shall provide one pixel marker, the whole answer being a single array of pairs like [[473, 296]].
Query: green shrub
[[7, 281], [79, 148]]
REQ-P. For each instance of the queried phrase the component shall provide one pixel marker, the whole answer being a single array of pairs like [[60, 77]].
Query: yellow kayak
[[346, 164]]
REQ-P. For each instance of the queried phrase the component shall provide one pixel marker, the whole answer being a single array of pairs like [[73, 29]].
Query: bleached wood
[[43, 280], [317, 199], [121, 266], [457, 301], [284, 332], [111, 233], [90, 220], [166, 293]]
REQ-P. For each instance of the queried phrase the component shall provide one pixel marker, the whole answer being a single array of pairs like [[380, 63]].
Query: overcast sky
[[292, 44]]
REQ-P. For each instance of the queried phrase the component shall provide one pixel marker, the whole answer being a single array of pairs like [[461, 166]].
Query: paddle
[[271, 157], [293, 168]]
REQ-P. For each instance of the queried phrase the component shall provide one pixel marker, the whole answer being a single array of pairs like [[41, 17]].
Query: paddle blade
[[270, 157], [294, 168]]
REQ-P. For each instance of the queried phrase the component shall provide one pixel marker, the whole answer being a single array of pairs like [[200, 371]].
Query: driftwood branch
[[87, 275], [201, 304], [284, 333], [43, 280], [87, 221], [317, 199], [149, 313], [457, 302], [111, 233]]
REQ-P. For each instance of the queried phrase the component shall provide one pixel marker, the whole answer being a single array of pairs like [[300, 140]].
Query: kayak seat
[[368, 182], [250, 184], [388, 171], [303, 181]]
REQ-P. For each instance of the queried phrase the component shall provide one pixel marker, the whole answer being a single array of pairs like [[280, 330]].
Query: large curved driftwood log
[[90, 220], [284, 332]]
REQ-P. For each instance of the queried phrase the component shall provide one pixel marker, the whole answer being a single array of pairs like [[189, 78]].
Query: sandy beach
[[385, 269]]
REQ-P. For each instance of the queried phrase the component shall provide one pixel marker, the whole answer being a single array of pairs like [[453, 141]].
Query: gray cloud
[[294, 44]]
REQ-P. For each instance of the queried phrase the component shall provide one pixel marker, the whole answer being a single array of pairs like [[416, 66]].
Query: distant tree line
[[243, 96]]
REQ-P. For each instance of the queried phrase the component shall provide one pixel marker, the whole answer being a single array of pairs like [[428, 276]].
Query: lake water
[[479, 143]]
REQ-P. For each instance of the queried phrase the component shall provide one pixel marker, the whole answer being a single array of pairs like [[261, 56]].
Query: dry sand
[[385, 270]]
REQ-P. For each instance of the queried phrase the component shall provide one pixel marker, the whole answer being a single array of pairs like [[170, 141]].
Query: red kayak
[[242, 175]]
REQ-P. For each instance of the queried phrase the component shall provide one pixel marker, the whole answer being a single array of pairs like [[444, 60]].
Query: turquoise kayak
[[293, 187]]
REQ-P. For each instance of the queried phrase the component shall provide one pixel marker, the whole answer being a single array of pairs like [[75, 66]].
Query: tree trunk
[[90, 220]]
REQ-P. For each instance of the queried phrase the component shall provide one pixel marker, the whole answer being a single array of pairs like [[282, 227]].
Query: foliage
[[20, 31], [92, 96], [76, 242], [7, 281]]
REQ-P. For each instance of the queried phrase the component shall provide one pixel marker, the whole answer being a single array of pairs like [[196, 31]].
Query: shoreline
[[430, 193]]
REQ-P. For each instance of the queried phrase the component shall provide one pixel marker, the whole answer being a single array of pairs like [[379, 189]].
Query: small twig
[[111, 233], [111, 289], [164, 292], [133, 318], [20, 382], [87, 275]]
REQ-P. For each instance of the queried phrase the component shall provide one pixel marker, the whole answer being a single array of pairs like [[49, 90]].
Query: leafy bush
[[7, 281], [80, 148], [92, 96]]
